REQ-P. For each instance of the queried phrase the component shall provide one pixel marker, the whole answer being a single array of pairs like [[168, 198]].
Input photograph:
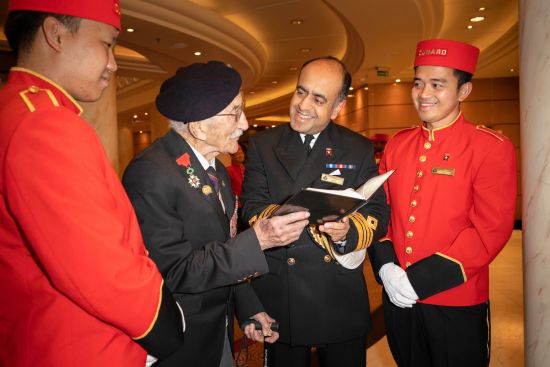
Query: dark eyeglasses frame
[[236, 114]]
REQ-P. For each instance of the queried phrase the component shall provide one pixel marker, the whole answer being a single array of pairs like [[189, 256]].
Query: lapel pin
[[328, 152], [446, 157], [206, 190]]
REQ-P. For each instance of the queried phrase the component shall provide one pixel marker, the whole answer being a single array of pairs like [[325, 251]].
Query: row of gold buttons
[[419, 173], [291, 261]]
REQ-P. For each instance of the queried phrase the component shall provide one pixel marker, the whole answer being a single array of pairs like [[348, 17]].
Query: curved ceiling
[[260, 38]]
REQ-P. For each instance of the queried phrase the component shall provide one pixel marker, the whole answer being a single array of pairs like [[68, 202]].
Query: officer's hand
[[280, 230], [336, 230], [397, 285]]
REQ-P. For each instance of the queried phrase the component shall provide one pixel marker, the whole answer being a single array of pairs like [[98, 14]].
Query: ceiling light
[[296, 21], [146, 113], [293, 68], [350, 88], [197, 53], [398, 80], [477, 19], [272, 125], [366, 88], [305, 49], [251, 92], [274, 82], [350, 95], [255, 125], [470, 27], [512, 70], [135, 116], [482, 8], [130, 30], [141, 131]]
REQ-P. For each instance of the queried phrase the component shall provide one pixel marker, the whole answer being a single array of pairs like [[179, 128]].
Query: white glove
[[397, 285]]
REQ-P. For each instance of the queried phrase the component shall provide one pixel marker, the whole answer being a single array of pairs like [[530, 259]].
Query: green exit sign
[[382, 73]]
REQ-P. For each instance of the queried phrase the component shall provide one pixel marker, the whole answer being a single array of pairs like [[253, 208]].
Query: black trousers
[[438, 336], [351, 353]]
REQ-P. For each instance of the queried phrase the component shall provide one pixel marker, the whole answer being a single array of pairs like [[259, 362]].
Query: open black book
[[331, 205]]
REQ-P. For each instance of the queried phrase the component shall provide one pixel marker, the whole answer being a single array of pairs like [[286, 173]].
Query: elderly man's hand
[[266, 334], [280, 230], [336, 230]]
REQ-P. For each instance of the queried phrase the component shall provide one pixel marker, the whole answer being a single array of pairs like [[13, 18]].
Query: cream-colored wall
[[102, 115], [387, 108], [130, 141], [125, 142]]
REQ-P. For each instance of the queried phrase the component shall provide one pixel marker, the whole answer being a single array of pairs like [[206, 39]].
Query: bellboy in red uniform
[[77, 286], [452, 199]]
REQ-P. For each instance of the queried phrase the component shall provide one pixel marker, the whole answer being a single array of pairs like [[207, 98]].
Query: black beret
[[198, 91]]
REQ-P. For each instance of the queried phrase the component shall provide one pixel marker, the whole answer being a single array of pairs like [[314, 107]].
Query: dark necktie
[[213, 179], [307, 142]]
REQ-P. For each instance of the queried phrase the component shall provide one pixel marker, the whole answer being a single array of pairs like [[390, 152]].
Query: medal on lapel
[[192, 179]]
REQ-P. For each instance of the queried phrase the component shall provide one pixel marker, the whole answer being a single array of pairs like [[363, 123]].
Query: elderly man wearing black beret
[[187, 212]]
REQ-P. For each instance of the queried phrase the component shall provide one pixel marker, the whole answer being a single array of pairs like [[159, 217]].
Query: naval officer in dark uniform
[[319, 301]]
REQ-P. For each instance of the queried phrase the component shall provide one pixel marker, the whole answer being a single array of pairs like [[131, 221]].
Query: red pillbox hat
[[104, 11], [451, 54]]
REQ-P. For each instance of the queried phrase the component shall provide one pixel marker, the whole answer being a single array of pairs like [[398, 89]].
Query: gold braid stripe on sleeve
[[266, 213], [365, 229]]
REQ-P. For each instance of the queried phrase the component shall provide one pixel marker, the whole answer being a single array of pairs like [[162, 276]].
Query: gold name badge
[[332, 179], [443, 171]]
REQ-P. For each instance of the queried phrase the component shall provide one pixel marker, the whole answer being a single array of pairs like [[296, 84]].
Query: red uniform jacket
[[76, 282], [452, 200]]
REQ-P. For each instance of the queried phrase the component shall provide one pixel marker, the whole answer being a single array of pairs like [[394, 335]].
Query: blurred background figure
[[236, 171], [379, 142]]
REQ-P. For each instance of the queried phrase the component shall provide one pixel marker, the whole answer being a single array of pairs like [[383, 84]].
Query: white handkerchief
[[350, 260], [335, 173]]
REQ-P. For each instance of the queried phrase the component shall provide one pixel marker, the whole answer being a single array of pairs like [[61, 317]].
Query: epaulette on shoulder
[[35, 97], [405, 130], [491, 132]]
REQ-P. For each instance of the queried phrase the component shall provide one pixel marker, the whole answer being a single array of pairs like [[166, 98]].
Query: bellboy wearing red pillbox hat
[[78, 286], [452, 201]]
